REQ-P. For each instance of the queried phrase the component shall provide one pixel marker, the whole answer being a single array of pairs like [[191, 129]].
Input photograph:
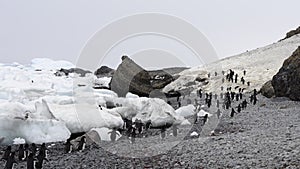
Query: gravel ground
[[266, 135]]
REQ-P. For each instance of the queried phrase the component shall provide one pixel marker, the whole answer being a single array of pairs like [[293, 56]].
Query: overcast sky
[[59, 29]]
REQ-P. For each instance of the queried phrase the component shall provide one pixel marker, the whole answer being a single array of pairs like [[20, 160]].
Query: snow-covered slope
[[261, 65]]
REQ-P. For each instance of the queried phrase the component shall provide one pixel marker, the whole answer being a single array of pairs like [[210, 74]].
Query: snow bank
[[33, 130], [154, 109], [84, 117], [33, 122]]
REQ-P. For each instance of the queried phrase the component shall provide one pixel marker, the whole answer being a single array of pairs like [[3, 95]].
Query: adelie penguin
[[31, 161], [68, 147], [26, 150], [232, 112], [218, 113], [175, 132], [11, 161], [163, 133], [205, 119], [239, 108], [21, 153], [40, 160], [6, 153], [33, 149], [43, 151], [82, 143]]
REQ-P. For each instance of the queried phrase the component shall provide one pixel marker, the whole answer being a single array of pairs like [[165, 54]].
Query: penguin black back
[[43, 150], [33, 149], [26, 150], [68, 147], [10, 161], [21, 152], [30, 161], [40, 160], [6, 153], [82, 143]]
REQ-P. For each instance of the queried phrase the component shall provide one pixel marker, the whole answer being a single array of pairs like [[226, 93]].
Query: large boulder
[[130, 77], [104, 71], [286, 82], [267, 89]]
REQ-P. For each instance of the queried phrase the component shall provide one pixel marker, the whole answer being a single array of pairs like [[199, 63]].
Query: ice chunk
[[32, 130], [186, 111]]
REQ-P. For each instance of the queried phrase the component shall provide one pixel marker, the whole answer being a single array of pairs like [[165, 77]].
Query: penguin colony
[[35, 157]]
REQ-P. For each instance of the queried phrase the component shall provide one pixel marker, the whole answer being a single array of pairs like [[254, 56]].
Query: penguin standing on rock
[[21, 153], [6, 153], [239, 108], [218, 113], [232, 112], [113, 134], [175, 130], [40, 159], [26, 151], [163, 133], [33, 149], [44, 151], [11, 161], [30, 161], [68, 147], [82, 143], [133, 135], [205, 119]]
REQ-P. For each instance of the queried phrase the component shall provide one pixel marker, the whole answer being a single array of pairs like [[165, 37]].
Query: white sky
[[59, 29]]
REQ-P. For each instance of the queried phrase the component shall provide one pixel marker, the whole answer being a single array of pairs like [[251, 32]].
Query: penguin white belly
[[46, 154], [71, 148], [83, 146]]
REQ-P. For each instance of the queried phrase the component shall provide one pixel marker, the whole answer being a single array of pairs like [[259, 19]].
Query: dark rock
[[172, 93], [172, 71], [75, 135], [199, 79], [267, 89], [66, 72], [159, 79], [104, 71], [286, 82], [110, 105], [292, 33], [100, 87], [130, 77]]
